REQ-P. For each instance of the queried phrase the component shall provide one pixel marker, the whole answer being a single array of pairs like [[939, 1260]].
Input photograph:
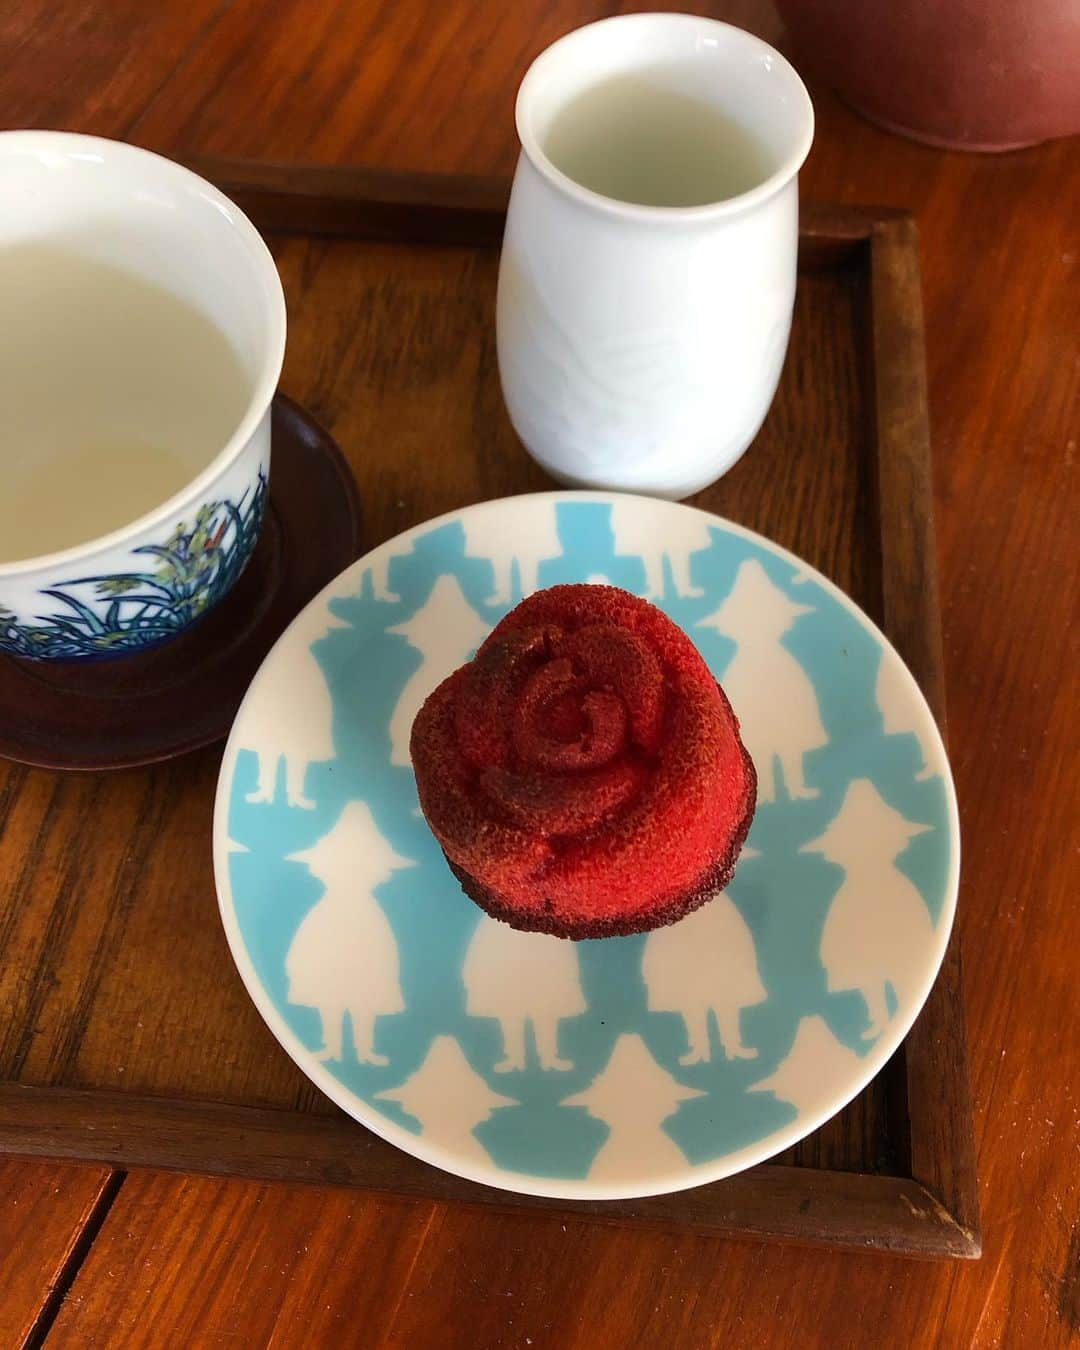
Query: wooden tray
[[125, 1034]]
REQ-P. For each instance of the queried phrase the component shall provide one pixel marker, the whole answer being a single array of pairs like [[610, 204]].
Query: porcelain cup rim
[[734, 38]]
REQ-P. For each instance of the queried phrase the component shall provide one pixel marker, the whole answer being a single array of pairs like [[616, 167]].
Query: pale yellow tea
[[636, 139], [113, 395]]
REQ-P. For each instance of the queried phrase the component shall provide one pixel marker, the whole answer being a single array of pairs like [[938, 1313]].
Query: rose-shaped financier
[[584, 773]]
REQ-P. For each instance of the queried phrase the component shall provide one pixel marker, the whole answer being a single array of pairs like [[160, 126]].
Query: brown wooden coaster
[[184, 694]]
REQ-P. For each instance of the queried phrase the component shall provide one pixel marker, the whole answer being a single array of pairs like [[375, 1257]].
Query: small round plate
[[603, 1069], [184, 694]]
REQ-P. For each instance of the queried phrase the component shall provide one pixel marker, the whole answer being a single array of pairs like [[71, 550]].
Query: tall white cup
[[640, 345]]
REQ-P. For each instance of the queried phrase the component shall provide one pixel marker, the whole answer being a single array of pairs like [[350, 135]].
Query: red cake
[[584, 773]]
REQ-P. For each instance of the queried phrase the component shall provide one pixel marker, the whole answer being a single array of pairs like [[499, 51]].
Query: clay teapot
[[969, 74]]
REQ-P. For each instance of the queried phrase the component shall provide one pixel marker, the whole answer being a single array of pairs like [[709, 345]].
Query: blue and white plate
[[603, 1069]]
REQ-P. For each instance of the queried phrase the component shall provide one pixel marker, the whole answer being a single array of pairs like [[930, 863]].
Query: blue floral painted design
[[126, 611]]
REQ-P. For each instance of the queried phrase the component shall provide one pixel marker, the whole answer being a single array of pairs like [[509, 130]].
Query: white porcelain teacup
[[648, 266], [142, 331]]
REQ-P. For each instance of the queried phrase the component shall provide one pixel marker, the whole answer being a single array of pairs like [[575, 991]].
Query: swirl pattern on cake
[[584, 773]]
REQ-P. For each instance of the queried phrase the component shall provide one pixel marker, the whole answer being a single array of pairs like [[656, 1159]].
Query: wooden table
[[89, 1257]]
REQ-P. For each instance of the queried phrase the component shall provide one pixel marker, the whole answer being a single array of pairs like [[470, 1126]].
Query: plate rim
[[525, 1183]]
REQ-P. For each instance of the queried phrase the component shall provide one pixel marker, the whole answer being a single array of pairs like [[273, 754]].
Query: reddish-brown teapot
[[970, 74]]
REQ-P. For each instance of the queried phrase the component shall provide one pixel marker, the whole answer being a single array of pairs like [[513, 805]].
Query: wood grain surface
[[413, 86], [48, 1214]]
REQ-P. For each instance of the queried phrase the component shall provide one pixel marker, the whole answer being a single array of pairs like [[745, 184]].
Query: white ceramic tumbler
[[640, 345]]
